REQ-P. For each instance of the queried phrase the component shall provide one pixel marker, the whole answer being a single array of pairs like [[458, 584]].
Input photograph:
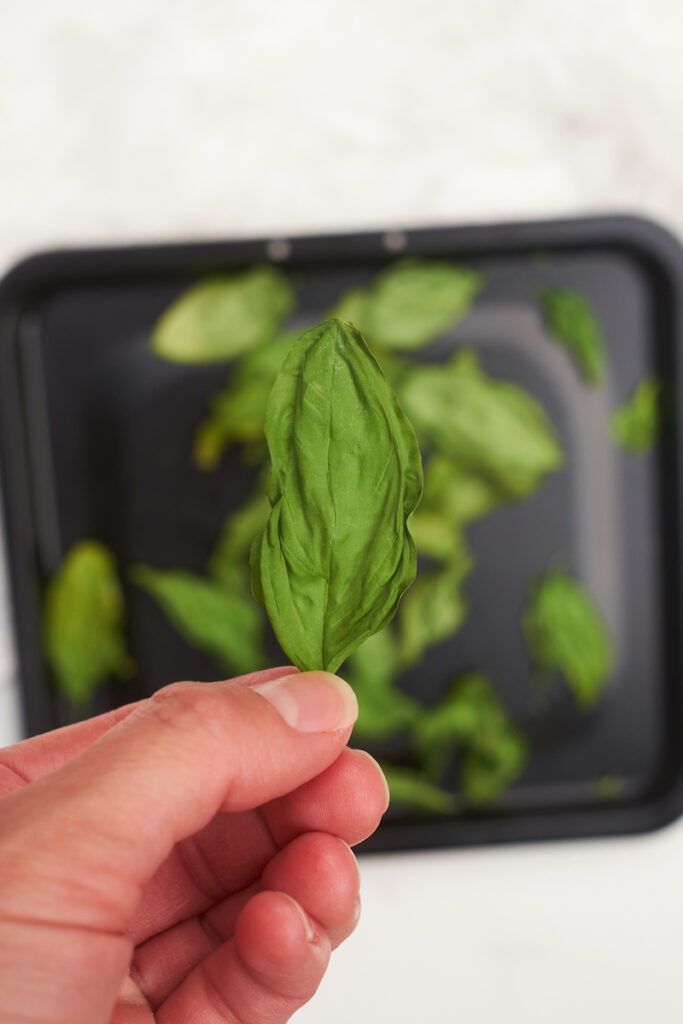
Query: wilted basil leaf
[[634, 425], [208, 615], [410, 303], [572, 321], [238, 412], [491, 427], [566, 633], [223, 316], [411, 790], [336, 554], [472, 721], [434, 608], [83, 622], [383, 709], [452, 497]]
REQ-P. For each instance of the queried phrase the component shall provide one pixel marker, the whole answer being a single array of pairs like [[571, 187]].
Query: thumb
[[94, 831]]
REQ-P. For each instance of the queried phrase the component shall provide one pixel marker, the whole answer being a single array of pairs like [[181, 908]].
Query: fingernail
[[308, 930], [387, 794], [312, 701]]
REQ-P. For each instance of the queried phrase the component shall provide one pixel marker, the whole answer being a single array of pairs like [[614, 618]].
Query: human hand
[[177, 860]]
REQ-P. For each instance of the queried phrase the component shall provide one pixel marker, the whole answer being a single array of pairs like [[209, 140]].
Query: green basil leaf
[[566, 633], [472, 721], [237, 413], [208, 615], [229, 559], [336, 554], [634, 425], [571, 320], [435, 607], [412, 791], [452, 497], [223, 316], [383, 710], [410, 303], [83, 622], [491, 427]]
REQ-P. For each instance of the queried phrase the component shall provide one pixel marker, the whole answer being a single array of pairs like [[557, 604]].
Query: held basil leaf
[[237, 413], [490, 427], [435, 607], [221, 317], [208, 615], [566, 633], [383, 710], [83, 622], [336, 554], [412, 791], [572, 321], [410, 303], [634, 424]]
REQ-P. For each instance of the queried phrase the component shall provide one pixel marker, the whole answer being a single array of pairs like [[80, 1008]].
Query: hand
[[177, 860]]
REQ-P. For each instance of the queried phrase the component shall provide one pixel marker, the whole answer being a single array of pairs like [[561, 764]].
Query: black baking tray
[[95, 438]]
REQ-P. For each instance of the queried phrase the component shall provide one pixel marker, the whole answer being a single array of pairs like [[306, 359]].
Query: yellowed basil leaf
[[435, 606], [634, 425], [223, 316], [336, 553], [383, 709], [83, 622]]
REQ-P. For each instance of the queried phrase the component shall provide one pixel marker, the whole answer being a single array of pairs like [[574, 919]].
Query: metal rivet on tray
[[394, 241], [279, 249]]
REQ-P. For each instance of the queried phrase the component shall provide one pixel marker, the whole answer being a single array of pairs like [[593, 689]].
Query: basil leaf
[[434, 608], [410, 303], [415, 301], [566, 633], [237, 413], [634, 425], [223, 316], [412, 791], [452, 497], [571, 320], [383, 710], [336, 554], [229, 559], [472, 721], [491, 427], [83, 622], [208, 615]]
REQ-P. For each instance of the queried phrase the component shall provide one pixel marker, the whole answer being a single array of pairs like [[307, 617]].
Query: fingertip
[[277, 941]]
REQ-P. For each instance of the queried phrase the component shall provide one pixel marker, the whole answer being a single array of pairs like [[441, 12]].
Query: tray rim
[[60, 267]]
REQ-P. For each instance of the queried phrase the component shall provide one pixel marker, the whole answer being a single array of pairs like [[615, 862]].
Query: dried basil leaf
[[472, 721], [410, 303], [383, 710], [571, 320], [208, 614], [435, 607], [566, 633], [223, 316], [83, 622], [412, 791], [490, 427], [237, 413], [634, 425], [336, 554]]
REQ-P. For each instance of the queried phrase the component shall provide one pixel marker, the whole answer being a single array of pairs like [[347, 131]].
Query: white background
[[156, 119]]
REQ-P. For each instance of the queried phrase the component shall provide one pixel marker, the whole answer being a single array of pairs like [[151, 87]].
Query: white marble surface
[[146, 120]]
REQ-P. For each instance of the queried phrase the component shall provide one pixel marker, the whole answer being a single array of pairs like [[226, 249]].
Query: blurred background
[[140, 122]]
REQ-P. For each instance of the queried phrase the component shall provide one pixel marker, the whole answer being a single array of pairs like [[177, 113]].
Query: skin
[[184, 860]]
